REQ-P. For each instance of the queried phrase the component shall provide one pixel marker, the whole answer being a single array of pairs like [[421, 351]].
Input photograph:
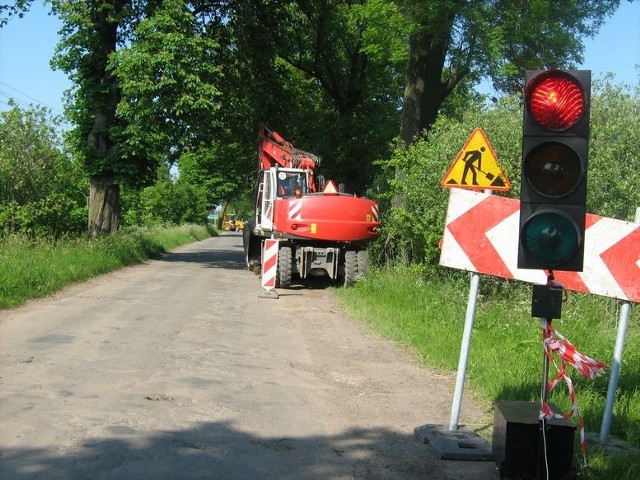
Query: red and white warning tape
[[555, 342]]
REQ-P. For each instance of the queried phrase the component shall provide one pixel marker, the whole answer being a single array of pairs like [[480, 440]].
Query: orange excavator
[[321, 231]]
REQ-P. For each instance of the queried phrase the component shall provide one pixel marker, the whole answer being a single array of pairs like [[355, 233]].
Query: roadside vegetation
[[33, 268]]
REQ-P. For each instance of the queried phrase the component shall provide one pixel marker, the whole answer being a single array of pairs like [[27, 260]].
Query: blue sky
[[27, 44]]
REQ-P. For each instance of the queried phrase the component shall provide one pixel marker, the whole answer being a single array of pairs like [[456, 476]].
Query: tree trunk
[[104, 205], [424, 90], [104, 94]]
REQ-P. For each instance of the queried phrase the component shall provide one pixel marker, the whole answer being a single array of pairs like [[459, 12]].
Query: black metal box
[[519, 445]]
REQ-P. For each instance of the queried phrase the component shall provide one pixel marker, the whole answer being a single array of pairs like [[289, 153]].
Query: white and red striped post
[[269, 268]]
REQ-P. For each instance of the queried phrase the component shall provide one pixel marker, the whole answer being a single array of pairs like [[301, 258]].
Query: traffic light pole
[[546, 304], [545, 368]]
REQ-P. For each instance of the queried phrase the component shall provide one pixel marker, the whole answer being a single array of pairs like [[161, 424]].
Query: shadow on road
[[231, 258], [216, 450]]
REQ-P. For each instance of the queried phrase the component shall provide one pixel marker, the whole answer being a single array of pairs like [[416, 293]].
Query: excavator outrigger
[[321, 230]]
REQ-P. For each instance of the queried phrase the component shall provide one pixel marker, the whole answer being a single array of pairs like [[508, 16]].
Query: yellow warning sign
[[476, 166]]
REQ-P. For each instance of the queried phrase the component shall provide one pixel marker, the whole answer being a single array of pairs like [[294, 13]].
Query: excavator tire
[[363, 263], [252, 245], [285, 265], [350, 267]]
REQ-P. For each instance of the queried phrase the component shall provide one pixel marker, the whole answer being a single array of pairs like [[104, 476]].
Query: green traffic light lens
[[553, 169], [551, 238]]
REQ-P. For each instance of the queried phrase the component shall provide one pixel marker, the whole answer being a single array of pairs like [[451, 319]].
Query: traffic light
[[555, 146]]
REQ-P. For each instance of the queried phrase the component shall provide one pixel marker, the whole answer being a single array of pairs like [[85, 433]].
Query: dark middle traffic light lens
[[553, 169], [556, 101], [551, 238]]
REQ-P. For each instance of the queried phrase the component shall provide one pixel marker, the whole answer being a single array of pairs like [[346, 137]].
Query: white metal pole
[[625, 313], [464, 351]]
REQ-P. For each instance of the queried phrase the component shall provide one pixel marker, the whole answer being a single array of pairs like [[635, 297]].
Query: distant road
[[176, 369]]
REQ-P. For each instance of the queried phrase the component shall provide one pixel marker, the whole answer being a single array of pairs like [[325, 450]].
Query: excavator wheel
[[252, 249], [363, 263], [285, 265], [350, 267]]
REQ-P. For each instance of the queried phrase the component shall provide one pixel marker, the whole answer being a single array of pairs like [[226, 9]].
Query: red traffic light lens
[[555, 100], [553, 169]]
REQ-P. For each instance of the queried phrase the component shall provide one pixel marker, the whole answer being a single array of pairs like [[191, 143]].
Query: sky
[[27, 45]]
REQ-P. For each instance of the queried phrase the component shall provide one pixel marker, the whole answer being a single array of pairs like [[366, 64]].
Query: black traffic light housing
[[555, 147]]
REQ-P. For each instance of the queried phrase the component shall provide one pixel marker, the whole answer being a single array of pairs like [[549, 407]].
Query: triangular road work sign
[[476, 167]]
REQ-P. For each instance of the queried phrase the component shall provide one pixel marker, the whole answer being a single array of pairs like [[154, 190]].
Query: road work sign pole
[[464, 351], [456, 444], [453, 443], [625, 313]]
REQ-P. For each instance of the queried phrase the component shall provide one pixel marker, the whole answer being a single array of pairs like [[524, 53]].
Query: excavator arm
[[273, 151]]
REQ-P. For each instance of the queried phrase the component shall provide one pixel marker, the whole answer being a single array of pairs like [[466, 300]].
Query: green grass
[[505, 360], [36, 268]]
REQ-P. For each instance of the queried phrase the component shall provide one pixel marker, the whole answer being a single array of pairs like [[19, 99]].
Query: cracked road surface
[[176, 369]]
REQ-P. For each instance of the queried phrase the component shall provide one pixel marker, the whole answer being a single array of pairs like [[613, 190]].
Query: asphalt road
[[177, 369]]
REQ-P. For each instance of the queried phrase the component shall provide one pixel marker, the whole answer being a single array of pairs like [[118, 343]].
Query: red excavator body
[[321, 230]]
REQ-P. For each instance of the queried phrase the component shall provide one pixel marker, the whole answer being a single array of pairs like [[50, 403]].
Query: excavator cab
[[292, 183], [278, 183]]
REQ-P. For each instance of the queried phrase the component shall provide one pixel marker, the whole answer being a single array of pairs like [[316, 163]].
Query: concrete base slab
[[454, 445], [612, 444], [269, 294]]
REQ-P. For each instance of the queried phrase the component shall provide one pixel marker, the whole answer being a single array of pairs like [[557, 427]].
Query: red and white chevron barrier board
[[269, 264], [481, 235]]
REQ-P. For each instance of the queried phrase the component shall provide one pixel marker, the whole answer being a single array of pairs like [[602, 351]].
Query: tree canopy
[[157, 82], [456, 44]]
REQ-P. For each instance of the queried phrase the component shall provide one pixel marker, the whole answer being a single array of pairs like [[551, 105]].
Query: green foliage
[[500, 39], [168, 80], [174, 203], [614, 163], [216, 179], [36, 268], [41, 190]]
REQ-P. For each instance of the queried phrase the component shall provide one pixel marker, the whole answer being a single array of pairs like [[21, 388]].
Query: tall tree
[[144, 91], [498, 39], [91, 33]]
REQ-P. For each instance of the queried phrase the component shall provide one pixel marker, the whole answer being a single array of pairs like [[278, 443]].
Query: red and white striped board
[[481, 235], [269, 264]]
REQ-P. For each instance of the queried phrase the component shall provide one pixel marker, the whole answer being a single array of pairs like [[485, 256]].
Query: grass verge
[[36, 268], [505, 361]]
